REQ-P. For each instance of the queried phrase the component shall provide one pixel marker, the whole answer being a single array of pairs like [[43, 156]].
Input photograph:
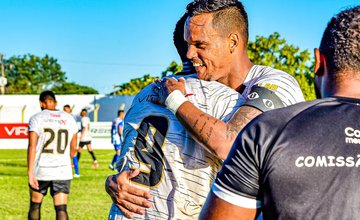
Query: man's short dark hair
[[182, 46], [66, 106], [341, 42], [84, 110], [178, 36], [47, 95], [120, 111], [228, 15]]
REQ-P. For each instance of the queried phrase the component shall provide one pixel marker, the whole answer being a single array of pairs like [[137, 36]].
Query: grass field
[[87, 199]]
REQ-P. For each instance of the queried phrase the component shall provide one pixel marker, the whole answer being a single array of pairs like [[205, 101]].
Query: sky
[[102, 43]]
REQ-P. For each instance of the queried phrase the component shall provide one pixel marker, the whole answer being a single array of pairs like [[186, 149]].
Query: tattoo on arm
[[243, 116]]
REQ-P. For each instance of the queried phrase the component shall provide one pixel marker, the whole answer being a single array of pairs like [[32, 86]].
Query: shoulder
[[261, 73], [282, 116]]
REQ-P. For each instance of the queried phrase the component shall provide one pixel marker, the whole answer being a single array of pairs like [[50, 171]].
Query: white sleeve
[[33, 125], [284, 85]]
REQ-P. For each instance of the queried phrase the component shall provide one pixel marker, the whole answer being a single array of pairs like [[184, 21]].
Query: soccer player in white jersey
[[85, 138], [217, 36], [117, 136], [174, 169], [52, 140]]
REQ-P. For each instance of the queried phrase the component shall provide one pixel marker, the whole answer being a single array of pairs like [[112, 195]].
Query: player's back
[[85, 125], [178, 171], [55, 130], [304, 164]]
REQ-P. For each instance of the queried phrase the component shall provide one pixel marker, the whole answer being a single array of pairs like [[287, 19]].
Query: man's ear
[[234, 41], [320, 63]]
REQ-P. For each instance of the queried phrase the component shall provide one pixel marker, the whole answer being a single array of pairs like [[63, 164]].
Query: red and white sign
[[14, 130]]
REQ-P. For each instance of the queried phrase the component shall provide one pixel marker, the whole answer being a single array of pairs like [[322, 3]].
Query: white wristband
[[174, 100]]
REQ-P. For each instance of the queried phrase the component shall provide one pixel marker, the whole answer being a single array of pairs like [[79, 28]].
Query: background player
[[85, 137], [50, 134], [302, 162], [68, 109], [117, 135]]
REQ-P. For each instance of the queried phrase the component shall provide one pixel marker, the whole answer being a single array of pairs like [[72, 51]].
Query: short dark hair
[[84, 110], [182, 46], [66, 106], [47, 95], [341, 42], [178, 37], [120, 111], [228, 15]]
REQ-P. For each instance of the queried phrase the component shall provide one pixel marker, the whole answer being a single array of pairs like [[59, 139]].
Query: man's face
[[83, 113], [208, 50], [67, 109]]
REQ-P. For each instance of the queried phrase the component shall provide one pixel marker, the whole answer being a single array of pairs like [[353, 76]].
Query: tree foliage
[[173, 68], [73, 88], [134, 86], [30, 74], [137, 84], [274, 51]]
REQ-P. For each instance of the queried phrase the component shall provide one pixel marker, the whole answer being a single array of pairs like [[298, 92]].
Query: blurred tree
[[274, 51], [173, 68], [30, 74], [134, 86], [137, 84], [73, 88]]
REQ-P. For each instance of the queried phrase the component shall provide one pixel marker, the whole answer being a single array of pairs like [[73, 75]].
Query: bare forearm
[[31, 152], [212, 133], [207, 130], [31, 158], [73, 146]]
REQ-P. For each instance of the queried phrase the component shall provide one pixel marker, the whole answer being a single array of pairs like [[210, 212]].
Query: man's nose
[[191, 53]]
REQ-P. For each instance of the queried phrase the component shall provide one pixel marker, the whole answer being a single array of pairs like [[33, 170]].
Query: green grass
[[87, 199]]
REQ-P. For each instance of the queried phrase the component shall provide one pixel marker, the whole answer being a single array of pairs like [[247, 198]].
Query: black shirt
[[299, 162]]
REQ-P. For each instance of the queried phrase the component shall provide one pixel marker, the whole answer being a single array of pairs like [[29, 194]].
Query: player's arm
[[214, 134], [84, 128], [73, 145], [129, 199], [236, 193], [216, 208], [120, 130], [33, 138]]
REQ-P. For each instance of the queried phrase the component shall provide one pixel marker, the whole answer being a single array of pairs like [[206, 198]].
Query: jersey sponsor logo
[[268, 103], [55, 115], [352, 135], [327, 161], [269, 86], [17, 130], [253, 95]]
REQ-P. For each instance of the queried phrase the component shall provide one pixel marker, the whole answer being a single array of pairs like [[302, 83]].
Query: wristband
[[174, 100]]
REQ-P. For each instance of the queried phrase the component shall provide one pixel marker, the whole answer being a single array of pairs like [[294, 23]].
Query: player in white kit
[[52, 140], [176, 171]]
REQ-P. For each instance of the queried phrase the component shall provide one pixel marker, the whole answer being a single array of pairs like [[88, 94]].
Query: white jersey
[[177, 171], [55, 130], [85, 124], [284, 85]]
